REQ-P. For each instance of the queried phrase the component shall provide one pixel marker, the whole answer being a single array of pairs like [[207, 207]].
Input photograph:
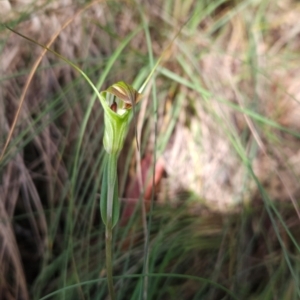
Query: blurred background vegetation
[[213, 195]]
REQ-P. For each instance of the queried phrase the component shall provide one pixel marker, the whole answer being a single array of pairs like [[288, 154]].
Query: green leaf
[[104, 196]]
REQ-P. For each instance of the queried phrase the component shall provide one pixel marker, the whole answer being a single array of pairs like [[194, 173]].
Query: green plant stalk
[[109, 208], [112, 193], [108, 257], [109, 204]]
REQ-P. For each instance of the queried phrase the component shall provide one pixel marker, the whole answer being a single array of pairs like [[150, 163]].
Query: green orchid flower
[[120, 99]]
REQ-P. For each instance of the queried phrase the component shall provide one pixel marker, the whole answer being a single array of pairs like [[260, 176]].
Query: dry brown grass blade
[[11, 256], [33, 70]]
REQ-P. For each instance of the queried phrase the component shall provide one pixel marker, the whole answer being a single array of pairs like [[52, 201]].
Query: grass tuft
[[219, 150]]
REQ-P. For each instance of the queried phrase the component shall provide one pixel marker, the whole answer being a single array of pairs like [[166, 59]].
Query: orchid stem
[[110, 192], [109, 271]]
